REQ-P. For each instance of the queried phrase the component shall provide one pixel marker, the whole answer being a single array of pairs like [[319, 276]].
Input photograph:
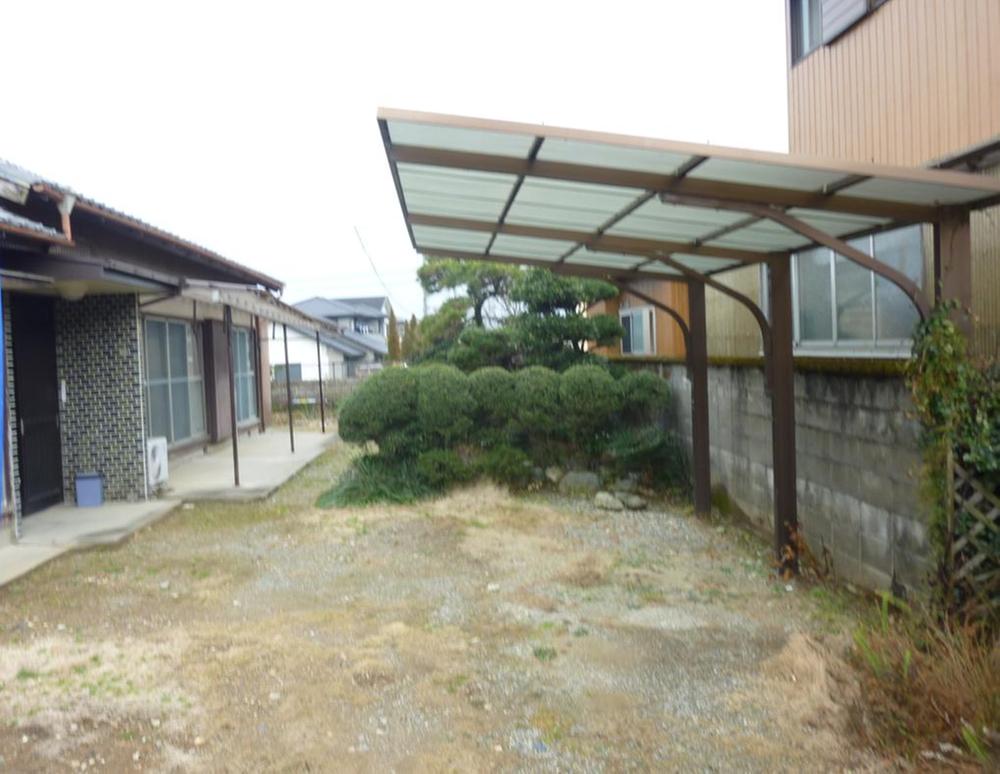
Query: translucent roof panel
[[530, 247], [429, 237], [703, 263], [612, 156], [459, 139], [567, 205], [774, 175], [673, 222], [763, 236], [454, 192], [910, 192], [657, 267], [588, 257], [837, 223]]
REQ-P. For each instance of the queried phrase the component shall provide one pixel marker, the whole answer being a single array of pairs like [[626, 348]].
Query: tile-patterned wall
[[8, 351], [98, 356]]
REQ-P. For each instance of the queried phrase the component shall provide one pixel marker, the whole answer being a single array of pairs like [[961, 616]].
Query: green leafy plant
[[444, 405], [645, 397], [506, 465], [383, 410], [590, 398], [376, 479], [442, 468], [493, 396]]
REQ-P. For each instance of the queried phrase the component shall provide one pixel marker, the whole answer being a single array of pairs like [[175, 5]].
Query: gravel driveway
[[479, 632]]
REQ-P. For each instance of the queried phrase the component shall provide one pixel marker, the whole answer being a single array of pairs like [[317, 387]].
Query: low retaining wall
[[857, 463]]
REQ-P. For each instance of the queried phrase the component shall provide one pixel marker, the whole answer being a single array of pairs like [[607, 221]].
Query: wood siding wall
[[669, 340], [913, 81]]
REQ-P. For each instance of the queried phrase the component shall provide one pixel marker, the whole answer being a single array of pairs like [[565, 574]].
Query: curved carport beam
[[758, 314], [696, 355]]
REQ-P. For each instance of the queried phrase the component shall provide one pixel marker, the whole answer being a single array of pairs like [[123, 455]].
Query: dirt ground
[[479, 632]]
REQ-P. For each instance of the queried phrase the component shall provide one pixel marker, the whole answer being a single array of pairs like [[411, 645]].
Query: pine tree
[[410, 345], [393, 338]]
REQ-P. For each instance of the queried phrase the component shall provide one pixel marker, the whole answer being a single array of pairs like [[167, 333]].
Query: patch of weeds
[[546, 626], [551, 725], [372, 479], [580, 631], [544, 653], [455, 683], [924, 682], [28, 674], [360, 527], [830, 608]]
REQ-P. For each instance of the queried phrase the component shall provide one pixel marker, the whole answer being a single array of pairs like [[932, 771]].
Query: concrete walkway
[[265, 464], [61, 528]]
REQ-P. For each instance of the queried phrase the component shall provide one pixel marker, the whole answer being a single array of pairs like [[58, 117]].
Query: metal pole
[[783, 415], [288, 389], [228, 319], [697, 361], [322, 405]]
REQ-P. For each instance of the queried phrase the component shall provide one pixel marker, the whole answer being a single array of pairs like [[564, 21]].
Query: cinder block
[[877, 554]]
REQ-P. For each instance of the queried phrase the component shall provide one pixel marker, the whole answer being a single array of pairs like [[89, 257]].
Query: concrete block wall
[[857, 466], [98, 357]]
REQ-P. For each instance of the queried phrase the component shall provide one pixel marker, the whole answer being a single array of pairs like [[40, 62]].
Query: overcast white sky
[[250, 127]]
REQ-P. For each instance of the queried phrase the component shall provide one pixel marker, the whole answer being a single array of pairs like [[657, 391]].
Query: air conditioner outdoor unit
[[156, 461]]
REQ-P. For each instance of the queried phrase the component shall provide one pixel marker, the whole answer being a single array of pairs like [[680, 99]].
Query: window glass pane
[[196, 399], [626, 322], [901, 249], [638, 333], [815, 316], [854, 296], [156, 349], [194, 352], [159, 410], [181, 407], [177, 335]]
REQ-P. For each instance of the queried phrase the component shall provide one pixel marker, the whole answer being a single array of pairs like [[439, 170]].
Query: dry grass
[[927, 687]]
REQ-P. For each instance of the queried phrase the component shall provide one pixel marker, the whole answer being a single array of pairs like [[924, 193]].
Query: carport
[[623, 209]]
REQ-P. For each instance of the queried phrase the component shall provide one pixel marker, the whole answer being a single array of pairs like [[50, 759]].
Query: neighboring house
[[362, 315], [339, 357], [904, 82], [116, 334]]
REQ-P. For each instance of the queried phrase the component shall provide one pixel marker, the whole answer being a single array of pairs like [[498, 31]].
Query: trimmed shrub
[[373, 478], [383, 409], [537, 415], [506, 465], [492, 392], [444, 405], [655, 454], [590, 400], [441, 468], [645, 397]]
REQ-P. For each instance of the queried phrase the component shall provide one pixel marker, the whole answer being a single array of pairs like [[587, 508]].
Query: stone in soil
[[608, 502], [579, 482]]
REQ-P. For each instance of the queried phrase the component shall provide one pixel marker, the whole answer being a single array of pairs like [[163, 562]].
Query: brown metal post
[[322, 405], [783, 414], [697, 358], [953, 267], [232, 394], [258, 376], [288, 390]]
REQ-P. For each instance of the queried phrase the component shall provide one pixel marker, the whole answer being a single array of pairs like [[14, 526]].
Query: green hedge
[[444, 426]]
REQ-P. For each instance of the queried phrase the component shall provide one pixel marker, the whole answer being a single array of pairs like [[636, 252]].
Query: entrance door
[[36, 392]]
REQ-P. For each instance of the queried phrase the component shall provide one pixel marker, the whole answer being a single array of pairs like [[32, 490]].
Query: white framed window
[[175, 389], [245, 374], [841, 307], [640, 330], [806, 22]]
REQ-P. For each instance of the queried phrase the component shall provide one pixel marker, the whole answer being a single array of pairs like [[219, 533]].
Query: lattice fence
[[974, 520]]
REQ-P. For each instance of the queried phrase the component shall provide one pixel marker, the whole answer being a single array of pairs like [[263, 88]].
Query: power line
[[374, 269]]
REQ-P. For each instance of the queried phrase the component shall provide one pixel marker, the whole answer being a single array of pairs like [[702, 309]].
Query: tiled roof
[[26, 179], [343, 307], [25, 224]]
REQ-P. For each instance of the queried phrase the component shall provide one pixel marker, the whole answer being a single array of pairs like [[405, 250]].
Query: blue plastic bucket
[[89, 490]]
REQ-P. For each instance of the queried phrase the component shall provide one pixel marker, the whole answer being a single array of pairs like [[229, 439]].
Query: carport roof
[[610, 205]]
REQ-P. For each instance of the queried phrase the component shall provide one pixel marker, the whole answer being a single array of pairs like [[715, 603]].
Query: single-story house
[[339, 357], [116, 335]]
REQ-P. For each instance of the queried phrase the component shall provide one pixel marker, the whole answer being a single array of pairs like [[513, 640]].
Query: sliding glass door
[[175, 391]]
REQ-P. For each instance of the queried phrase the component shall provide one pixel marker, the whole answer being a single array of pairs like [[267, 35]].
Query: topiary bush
[[383, 409], [537, 415], [657, 455], [444, 406], [493, 397], [505, 464], [645, 397], [590, 398], [442, 468]]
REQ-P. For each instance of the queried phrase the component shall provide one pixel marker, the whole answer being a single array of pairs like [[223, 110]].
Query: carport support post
[[228, 319], [288, 389], [782, 368], [697, 360], [319, 371]]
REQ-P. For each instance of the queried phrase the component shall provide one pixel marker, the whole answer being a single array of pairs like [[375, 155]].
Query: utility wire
[[374, 269]]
